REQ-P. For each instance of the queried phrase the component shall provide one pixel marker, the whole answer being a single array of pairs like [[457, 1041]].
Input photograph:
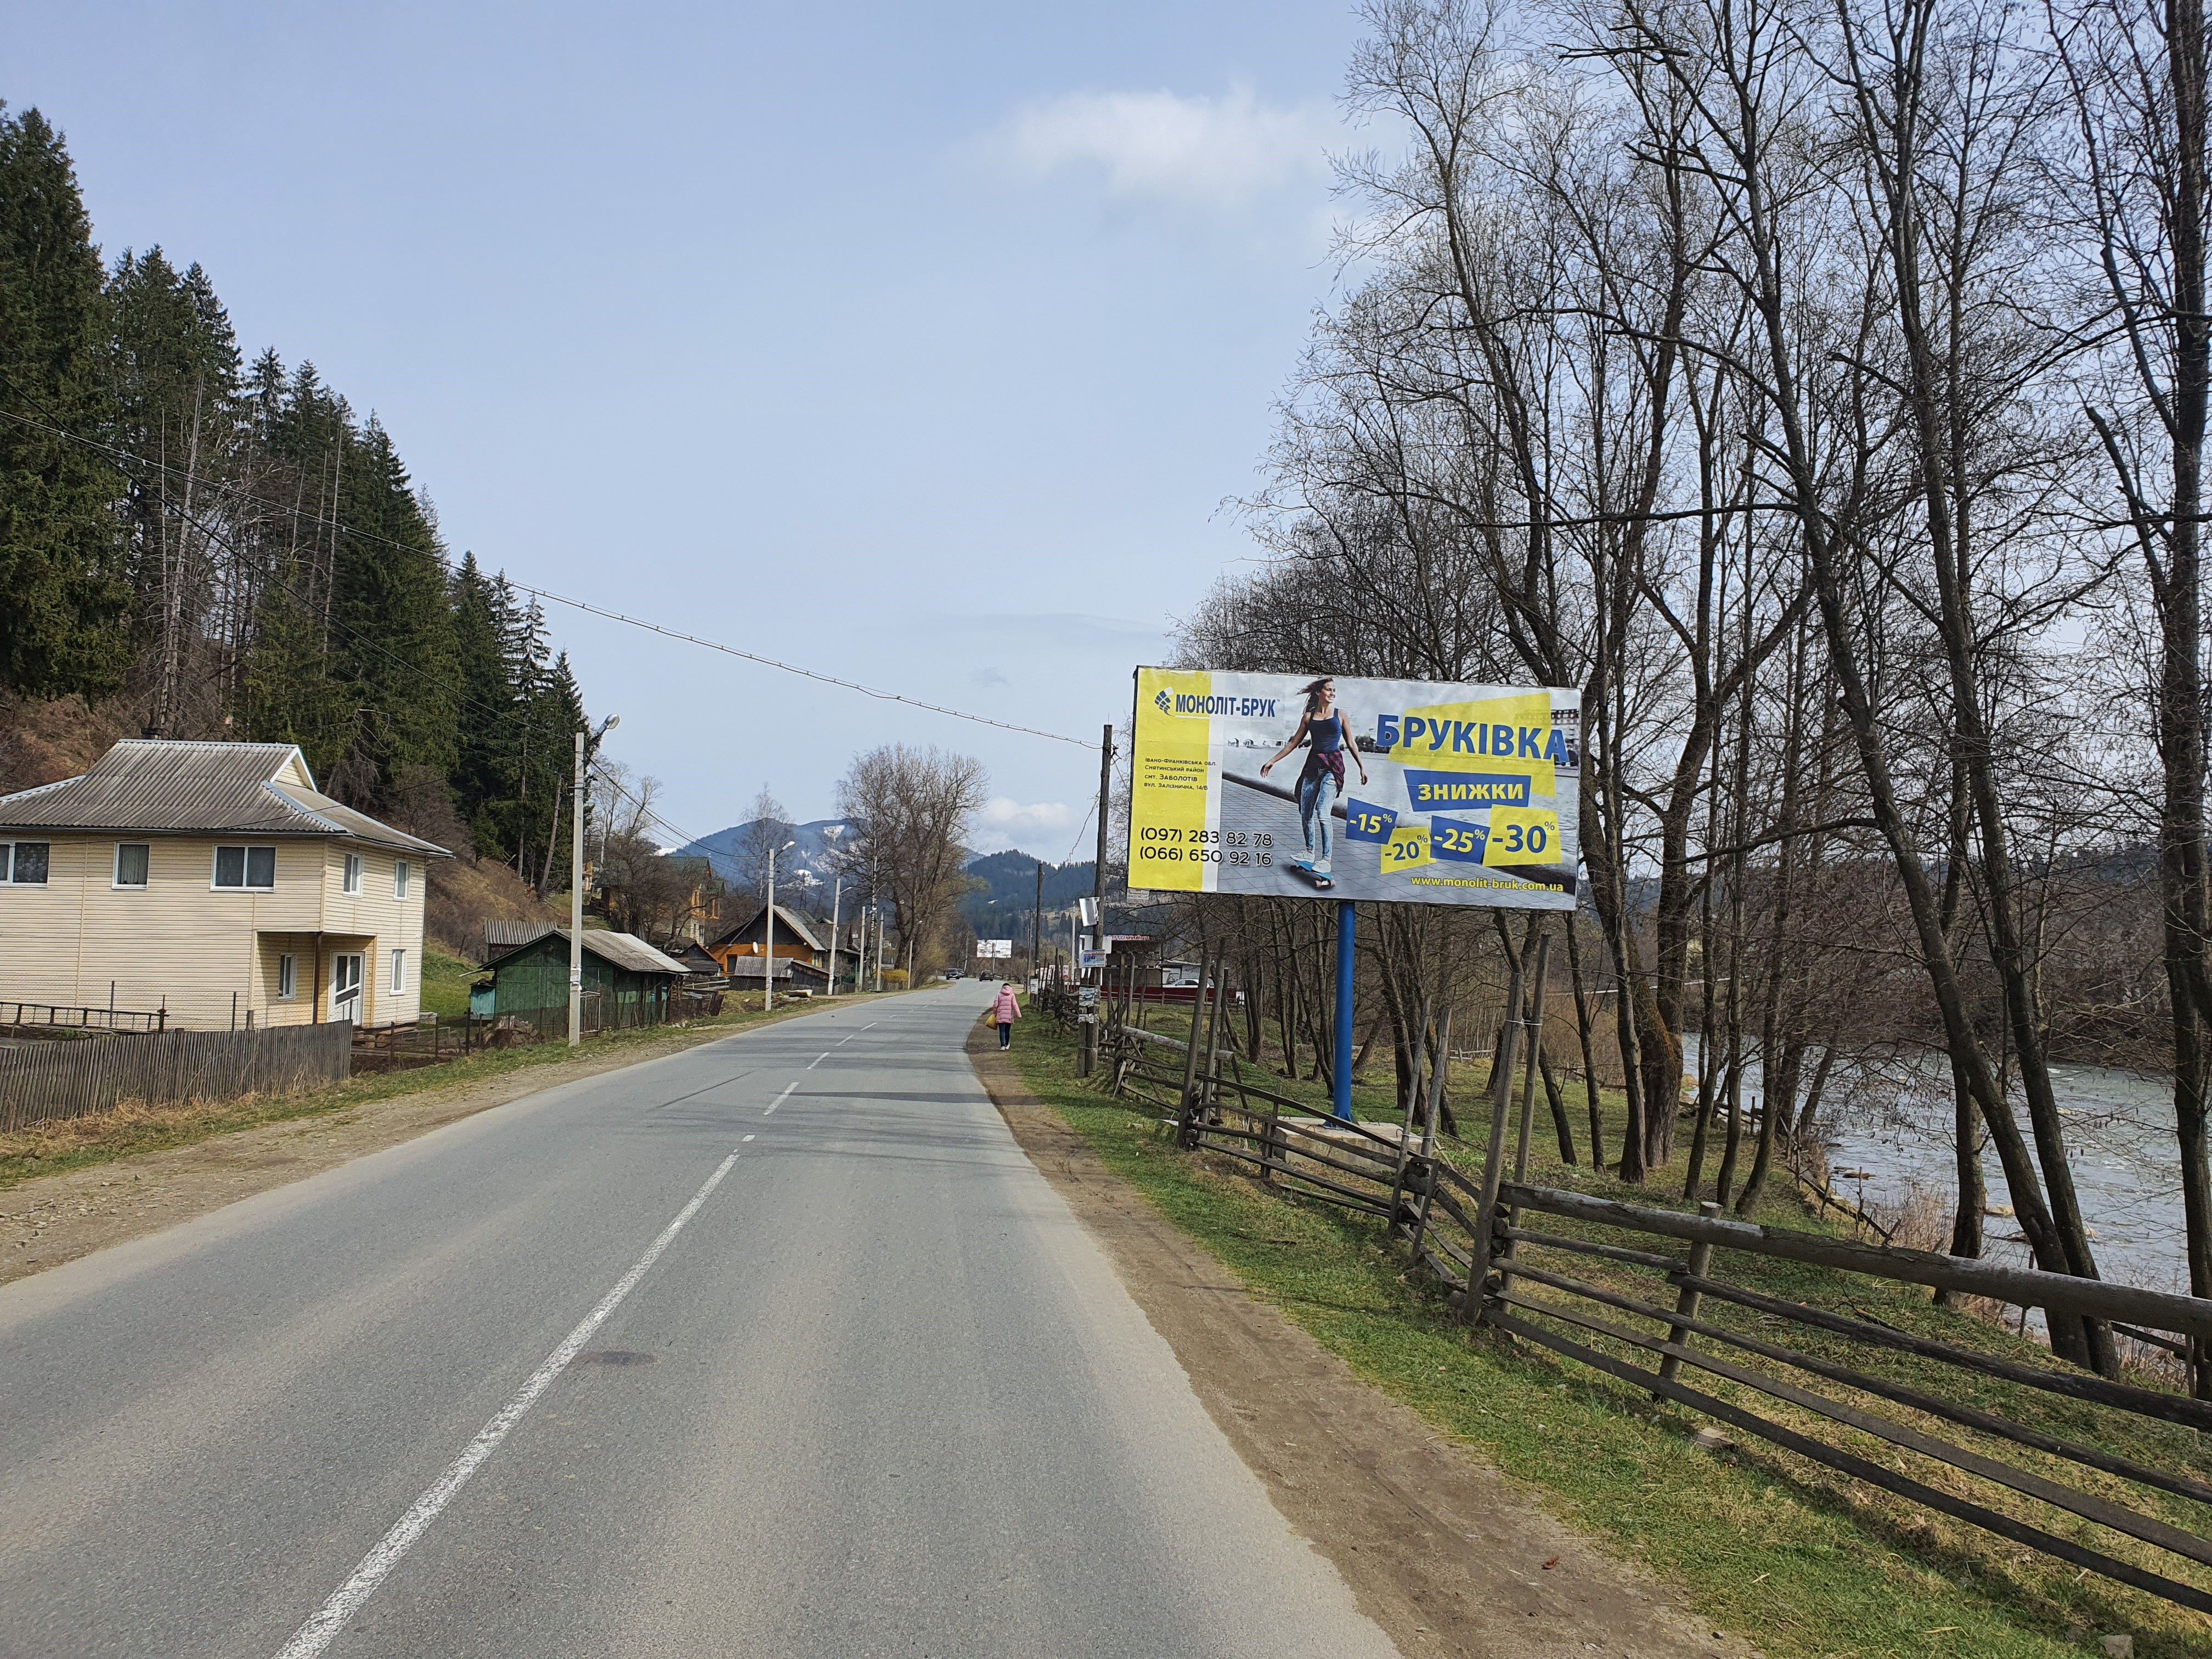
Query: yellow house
[[213, 880]]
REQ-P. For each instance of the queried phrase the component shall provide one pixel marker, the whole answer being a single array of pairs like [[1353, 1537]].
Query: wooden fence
[[2048, 1456], [52, 1080]]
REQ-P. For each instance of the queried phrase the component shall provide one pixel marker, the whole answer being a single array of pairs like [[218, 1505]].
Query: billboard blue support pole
[[1341, 1068]]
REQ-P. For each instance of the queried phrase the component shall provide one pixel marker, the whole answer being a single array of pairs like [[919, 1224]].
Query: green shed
[[631, 980]]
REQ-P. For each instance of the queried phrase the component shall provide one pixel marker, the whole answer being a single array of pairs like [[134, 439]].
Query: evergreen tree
[[174, 372], [63, 590]]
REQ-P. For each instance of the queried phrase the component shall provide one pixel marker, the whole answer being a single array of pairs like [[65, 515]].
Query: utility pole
[[837, 894], [1098, 870], [768, 961], [1036, 929], [576, 906], [576, 890]]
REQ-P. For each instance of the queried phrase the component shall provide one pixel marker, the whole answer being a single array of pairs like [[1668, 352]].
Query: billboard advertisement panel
[[1408, 790], [995, 950]]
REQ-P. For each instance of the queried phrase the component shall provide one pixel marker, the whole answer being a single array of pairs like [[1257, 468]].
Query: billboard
[[1409, 791], [995, 950]]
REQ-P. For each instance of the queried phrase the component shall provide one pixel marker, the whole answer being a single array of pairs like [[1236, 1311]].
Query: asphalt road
[[777, 1346]]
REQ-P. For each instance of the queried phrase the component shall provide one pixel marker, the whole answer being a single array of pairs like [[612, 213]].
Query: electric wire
[[298, 515]]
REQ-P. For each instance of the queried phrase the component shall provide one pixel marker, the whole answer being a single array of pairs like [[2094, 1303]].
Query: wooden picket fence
[[2041, 1454], [44, 1081]]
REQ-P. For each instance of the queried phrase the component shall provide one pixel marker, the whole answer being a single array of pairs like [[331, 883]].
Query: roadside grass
[[445, 982], [66, 1144], [1801, 1560]]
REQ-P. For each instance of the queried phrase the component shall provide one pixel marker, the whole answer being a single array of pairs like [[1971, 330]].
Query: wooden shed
[[632, 980]]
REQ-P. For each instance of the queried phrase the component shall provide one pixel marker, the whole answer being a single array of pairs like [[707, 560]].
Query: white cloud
[[1004, 823], [1192, 151]]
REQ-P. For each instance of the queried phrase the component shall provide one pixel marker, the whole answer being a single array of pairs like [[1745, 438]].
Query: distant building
[[795, 940], [214, 880], [633, 980]]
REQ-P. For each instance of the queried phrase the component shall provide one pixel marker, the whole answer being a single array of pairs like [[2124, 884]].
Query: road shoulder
[[1443, 1550], [49, 1220]]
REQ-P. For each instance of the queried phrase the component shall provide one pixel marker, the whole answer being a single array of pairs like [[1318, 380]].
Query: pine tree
[[62, 553], [174, 372]]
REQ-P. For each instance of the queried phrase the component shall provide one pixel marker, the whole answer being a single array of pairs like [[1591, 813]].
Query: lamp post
[[836, 897], [576, 886], [768, 960]]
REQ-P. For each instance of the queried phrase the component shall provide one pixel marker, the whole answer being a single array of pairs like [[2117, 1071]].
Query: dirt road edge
[[1447, 1554]]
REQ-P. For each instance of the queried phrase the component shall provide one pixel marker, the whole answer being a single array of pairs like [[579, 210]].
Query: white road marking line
[[331, 1618], [748, 1137], [816, 1060], [780, 1098]]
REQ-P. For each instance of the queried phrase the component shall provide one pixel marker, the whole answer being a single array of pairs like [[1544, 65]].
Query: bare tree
[[911, 811]]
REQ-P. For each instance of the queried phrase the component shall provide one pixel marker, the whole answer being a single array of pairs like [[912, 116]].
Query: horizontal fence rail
[[52, 1080], [1688, 1311], [43, 1016]]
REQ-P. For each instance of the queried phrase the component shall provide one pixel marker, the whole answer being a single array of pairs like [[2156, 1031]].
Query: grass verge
[[1803, 1563], [57, 1146]]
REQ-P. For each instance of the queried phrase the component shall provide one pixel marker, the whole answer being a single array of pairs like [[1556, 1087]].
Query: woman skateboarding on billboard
[[1321, 783]]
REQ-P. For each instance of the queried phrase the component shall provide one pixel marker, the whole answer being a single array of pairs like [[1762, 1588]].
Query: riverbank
[[1767, 1546]]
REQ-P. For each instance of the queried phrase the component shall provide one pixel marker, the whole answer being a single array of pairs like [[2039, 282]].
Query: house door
[[345, 986]]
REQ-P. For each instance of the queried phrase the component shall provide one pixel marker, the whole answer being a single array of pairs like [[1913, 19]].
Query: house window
[[399, 970], [353, 872], [253, 868], [401, 876], [288, 977], [23, 863], [131, 860]]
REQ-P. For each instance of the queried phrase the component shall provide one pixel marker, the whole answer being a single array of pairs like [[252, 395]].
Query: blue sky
[[920, 344]]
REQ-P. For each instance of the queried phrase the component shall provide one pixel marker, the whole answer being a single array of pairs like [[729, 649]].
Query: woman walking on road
[[1004, 1013]]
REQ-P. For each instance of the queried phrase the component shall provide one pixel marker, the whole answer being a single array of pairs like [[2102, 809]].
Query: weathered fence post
[[1185, 1131], [1685, 1304], [1438, 1069], [1533, 1034], [1409, 1099], [1493, 1158]]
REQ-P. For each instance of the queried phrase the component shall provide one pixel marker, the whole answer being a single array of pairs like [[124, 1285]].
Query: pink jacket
[[1008, 1009]]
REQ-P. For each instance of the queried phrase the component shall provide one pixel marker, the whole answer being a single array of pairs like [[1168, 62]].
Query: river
[[1889, 1138]]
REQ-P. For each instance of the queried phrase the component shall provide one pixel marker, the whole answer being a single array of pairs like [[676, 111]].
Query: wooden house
[[795, 941]]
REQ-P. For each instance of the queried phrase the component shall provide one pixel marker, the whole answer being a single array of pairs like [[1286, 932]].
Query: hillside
[[999, 908], [803, 876]]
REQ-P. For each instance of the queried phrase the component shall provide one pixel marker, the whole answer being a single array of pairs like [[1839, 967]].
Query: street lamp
[[576, 886], [768, 963]]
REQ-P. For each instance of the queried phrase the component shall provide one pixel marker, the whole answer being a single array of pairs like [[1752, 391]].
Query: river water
[[1889, 1135]]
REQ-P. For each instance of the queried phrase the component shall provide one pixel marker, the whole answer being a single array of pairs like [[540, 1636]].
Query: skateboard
[[1306, 872]]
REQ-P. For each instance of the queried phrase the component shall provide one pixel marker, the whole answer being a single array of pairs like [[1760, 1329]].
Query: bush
[[894, 976]]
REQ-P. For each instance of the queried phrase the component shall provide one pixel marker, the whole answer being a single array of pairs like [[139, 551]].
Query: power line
[[792, 668], [298, 515], [644, 807]]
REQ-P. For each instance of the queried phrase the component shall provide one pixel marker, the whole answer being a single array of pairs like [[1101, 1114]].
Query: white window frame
[[402, 877], [245, 884], [8, 864], [288, 977], [115, 874], [349, 874], [398, 971]]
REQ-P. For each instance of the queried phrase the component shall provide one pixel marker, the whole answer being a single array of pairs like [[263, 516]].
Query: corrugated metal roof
[[789, 923], [157, 787], [501, 935], [623, 949]]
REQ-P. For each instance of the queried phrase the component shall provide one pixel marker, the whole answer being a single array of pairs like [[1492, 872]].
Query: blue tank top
[[1327, 734]]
